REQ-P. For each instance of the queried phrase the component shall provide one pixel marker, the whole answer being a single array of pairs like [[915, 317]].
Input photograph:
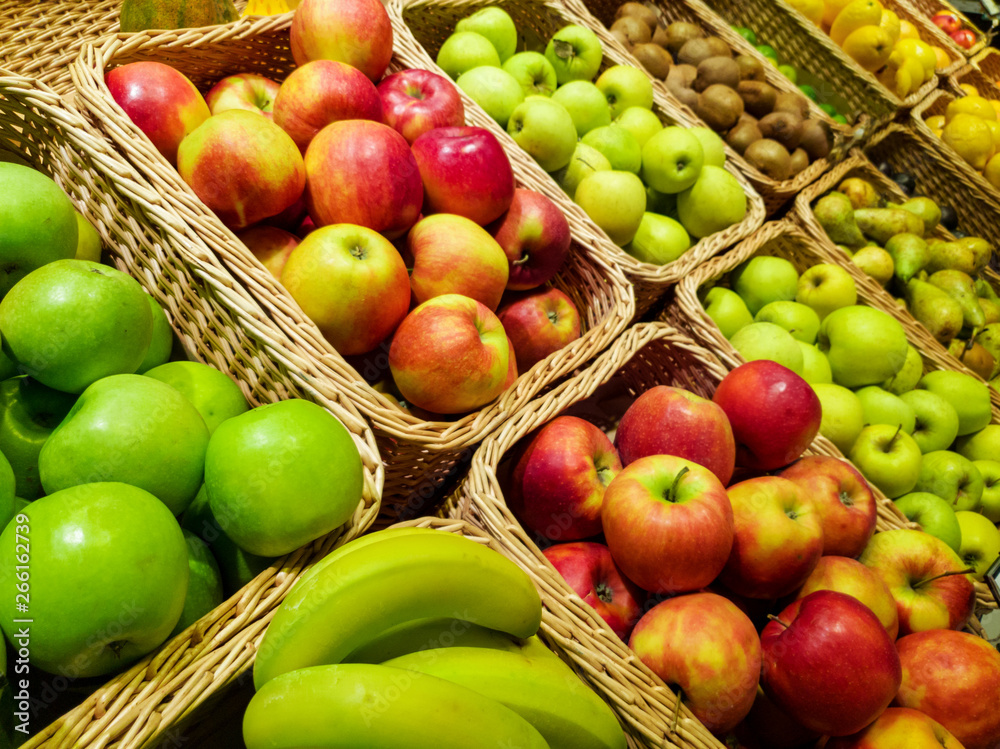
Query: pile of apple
[[952, 25], [782, 605], [650, 188]]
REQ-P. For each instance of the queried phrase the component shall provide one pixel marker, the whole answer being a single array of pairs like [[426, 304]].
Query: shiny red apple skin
[[271, 245], [671, 421], [465, 171], [899, 728], [947, 22], [829, 663], [709, 648], [668, 545], [356, 32], [849, 576], [590, 571], [843, 498], [964, 38], [415, 101], [954, 677], [249, 91], [539, 323], [535, 236], [774, 413], [362, 172]]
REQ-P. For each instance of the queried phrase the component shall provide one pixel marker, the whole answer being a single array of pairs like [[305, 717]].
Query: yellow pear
[[907, 30], [923, 52], [856, 14], [869, 47], [811, 9], [830, 10], [992, 171], [974, 105], [890, 22], [970, 136]]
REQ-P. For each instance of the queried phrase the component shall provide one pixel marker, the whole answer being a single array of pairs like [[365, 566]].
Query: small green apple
[[672, 160], [765, 340], [968, 396], [789, 72], [585, 161], [989, 505], [952, 477], [865, 345], [465, 50], [714, 202], [906, 378], [88, 246], [545, 130], [625, 86], [768, 51], [826, 287], [494, 89], [980, 542], [712, 145], [888, 457], [936, 420], [533, 72], [764, 279], [727, 310], [615, 201], [933, 515], [575, 53], [641, 122], [881, 407], [618, 145], [162, 341], [659, 240], [496, 25], [815, 367], [204, 591], [585, 104], [798, 319], [981, 445], [843, 417], [216, 396]]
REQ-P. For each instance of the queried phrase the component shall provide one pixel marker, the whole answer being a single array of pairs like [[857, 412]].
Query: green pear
[[926, 210], [935, 309], [882, 224], [981, 251], [835, 214], [973, 356], [989, 339], [950, 256], [960, 287], [909, 255], [907, 378], [991, 310], [765, 340], [986, 291], [865, 346], [727, 310], [860, 192]]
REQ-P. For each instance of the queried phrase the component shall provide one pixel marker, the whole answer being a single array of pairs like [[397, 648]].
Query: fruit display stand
[[421, 26], [930, 8], [976, 76], [419, 452]]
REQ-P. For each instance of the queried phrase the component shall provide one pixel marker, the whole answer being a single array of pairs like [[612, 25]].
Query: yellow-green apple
[[714, 202], [450, 254], [533, 72], [888, 458], [160, 100], [161, 342], [464, 51], [829, 663], [109, 573], [496, 25], [415, 101], [559, 481], [933, 514], [575, 54], [362, 172], [952, 477], [981, 445], [712, 145], [494, 89], [727, 310], [668, 523], [586, 105], [765, 340], [356, 32], [593, 575], [865, 345], [321, 92], [585, 161], [843, 499], [282, 475], [815, 366], [641, 122], [270, 245], [89, 244], [906, 378], [925, 578], [672, 159], [535, 237], [624, 86], [798, 319], [764, 279], [774, 413], [968, 396], [846, 575], [843, 418], [980, 545], [658, 240], [545, 130], [204, 590], [450, 355], [242, 166], [704, 645], [465, 171], [249, 91], [615, 201], [935, 421], [777, 540], [899, 728], [539, 323], [72, 322], [617, 144], [882, 407], [989, 505], [671, 421], [214, 393]]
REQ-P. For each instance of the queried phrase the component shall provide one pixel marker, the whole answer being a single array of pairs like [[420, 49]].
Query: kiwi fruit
[[799, 162], [679, 33], [721, 70], [634, 29], [719, 107], [660, 37], [640, 11], [622, 38], [769, 157], [694, 51], [719, 48], [656, 60], [681, 76], [758, 98], [815, 139], [688, 97], [787, 102], [742, 135], [784, 127], [751, 69]]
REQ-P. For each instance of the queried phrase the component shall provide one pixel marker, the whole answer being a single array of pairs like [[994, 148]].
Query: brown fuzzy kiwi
[[721, 70], [799, 162], [656, 60], [719, 107], [660, 37], [815, 140], [746, 117], [742, 135], [788, 102], [635, 29], [622, 38], [784, 127], [758, 98], [679, 33], [681, 76], [640, 11], [694, 51], [769, 157], [751, 69], [719, 48]]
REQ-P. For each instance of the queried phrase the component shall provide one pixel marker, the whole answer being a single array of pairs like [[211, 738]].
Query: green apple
[[765, 340], [88, 244], [936, 420], [533, 72], [585, 104], [764, 279], [933, 515], [881, 407], [815, 367], [108, 577], [282, 475], [981, 445], [661, 202], [789, 72], [714, 202], [39, 223], [618, 145], [575, 53], [659, 240], [969, 397], [624, 86], [797, 319], [72, 322], [712, 145], [641, 122], [727, 310], [906, 378], [494, 24], [7, 491], [585, 161], [980, 542], [545, 130], [162, 341], [952, 477], [843, 418], [989, 505], [8, 368], [494, 89], [216, 396], [888, 457], [865, 346], [204, 591], [465, 50], [615, 201], [672, 160], [826, 287]]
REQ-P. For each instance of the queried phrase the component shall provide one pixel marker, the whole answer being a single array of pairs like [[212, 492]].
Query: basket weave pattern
[[930, 8]]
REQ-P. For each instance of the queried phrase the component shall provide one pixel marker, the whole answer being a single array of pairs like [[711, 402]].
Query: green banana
[[362, 705], [542, 690], [364, 592], [431, 634]]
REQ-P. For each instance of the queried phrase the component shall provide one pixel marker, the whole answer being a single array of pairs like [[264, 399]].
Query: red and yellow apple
[[249, 91], [356, 32], [539, 323], [899, 728], [535, 236], [415, 101], [849, 576], [271, 245]]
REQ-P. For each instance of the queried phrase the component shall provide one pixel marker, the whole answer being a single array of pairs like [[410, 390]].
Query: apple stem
[[672, 492], [966, 571], [773, 618], [522, 260], [894, 436]]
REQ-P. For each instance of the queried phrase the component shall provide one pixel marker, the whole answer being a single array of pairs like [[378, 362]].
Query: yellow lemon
[[855, 15], [923, 52], [992, 171], [907, 30], [994, 127], [996, 107], [811, 9], [939, 132], [831, 8], [969, 89], [890, 22], [943, 60], [970, 136], [912, 65], [936, 122], [869, 47], [974, 105]]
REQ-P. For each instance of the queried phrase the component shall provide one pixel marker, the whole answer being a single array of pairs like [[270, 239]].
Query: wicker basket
[[973, 74], [421, 26], [930, 8], [988, 61], [419, 453]]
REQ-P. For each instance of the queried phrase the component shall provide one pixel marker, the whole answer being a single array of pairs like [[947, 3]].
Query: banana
[[362, 705], [357, 597], [541, 689]]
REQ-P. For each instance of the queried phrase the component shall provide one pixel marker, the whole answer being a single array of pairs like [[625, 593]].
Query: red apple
[[453, 255], [777, 538], [767, 725], [306, 227], [947, 22], [466, 172], [829, 663], [291, 218], [954, 677], [706, 646], [774, 413], [559, 481], [356, 32], [668, 523], [540, 323], [964, 38], [511, 365], [450, 355], [845, 502], [849, 576], [671, 421], [899, 728], [321, 92], [592, 574], [535, 237], [242, 166], [161, 102], [920, 572], [271, 245], [415, 101], [362, 172], [249, 91]]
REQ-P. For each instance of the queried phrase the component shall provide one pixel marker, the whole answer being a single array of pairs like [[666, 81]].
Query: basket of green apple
[[153, 514], [621, 160]]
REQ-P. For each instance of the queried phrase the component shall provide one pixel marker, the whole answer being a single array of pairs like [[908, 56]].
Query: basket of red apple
[[954, 25], [151, 513], [410, 260], [620, 158]]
